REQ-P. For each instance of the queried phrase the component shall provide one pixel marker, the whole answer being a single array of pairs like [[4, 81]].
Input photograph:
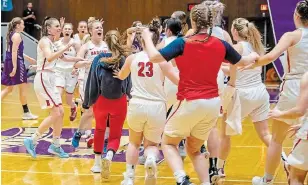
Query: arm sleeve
[[174, 49], [92, 90], [231, 54]]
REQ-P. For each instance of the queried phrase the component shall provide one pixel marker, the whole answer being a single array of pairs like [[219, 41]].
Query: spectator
[[29, 19]]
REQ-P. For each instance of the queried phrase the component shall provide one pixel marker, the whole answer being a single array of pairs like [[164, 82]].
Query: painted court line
[[112, 175]]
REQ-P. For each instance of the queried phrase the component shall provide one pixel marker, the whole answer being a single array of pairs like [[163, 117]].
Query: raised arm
[[284, 43], [125, 70], [169, 52], [50, 55], [81, 54], [168, 71]]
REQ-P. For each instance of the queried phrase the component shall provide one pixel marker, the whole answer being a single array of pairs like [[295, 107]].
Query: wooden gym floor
[[245, 161]]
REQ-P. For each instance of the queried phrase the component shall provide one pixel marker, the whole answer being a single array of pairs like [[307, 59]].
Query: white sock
[[56, 141], [35, 137], [98, 159], [220, 163], [88, 133], [109, 155], [206, 183], [179, 175], [107, 133], [130, 169]]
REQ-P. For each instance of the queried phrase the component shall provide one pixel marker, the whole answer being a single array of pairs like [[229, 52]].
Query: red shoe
[[90, 142], [73, 114]]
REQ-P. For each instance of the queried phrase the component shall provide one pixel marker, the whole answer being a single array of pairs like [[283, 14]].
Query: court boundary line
[[111, 175]]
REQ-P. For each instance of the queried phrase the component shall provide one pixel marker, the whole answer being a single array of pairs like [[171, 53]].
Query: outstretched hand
[[116, 73], [293, 129]]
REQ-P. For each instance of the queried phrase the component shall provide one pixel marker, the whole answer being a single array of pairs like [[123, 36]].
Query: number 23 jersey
[[147, 79]]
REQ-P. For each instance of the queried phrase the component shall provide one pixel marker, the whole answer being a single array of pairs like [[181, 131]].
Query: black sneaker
[[185, 181], [204, 151], [214, 177]]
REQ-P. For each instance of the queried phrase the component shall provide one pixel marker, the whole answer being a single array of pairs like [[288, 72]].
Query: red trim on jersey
[[174, 111], [296, 144], [47, 92], [289, 63], [282, 86]]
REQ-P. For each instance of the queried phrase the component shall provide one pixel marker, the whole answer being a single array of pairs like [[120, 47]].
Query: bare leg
[[263, 132], [6, 91], [200, 163], [297, 176]]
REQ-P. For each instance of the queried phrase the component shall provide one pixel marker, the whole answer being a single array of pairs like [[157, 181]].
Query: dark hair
[[174, 25], [47, 22], [11, 27], [183, 18], [154, 27], [202, 15], [302, 10]]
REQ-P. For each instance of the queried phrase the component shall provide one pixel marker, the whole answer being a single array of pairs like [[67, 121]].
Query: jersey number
[[149, 72]]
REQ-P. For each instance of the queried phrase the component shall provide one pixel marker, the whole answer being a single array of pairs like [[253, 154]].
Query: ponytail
[[249, 32], [47, 22], [11, 28], [112, 39], [255, 39]]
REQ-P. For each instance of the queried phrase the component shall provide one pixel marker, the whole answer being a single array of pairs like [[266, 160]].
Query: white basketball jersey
[[218, 32], [168, 40], [93, 51], [42, 63], [250, 77], [70, 52], [147, 79], [298, 58]]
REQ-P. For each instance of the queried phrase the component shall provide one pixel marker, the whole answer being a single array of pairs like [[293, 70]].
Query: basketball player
[[296, 45], [45, 88], [82, 32], [253, 95], [88, 51], [217, 9], [298, 158], [108, 96], [147, 108], [66, 80], [14, 71], [198, 107]]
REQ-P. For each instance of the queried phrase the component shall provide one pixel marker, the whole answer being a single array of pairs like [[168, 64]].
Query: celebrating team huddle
[[169, 86]]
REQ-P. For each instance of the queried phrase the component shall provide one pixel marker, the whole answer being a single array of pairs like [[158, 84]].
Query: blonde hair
[[113, 40], [217, 9], [47, 22], [11, 27], [202, 15], [249, 32]]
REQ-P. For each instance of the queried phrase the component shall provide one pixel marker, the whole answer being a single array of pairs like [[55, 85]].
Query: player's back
[[147, 79]]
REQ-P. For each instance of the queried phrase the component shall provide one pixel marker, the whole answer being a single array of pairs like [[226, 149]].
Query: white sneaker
[[259, 181], [97, 168], [128, 179], [29, 116], [105, 172], [150, 171]]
